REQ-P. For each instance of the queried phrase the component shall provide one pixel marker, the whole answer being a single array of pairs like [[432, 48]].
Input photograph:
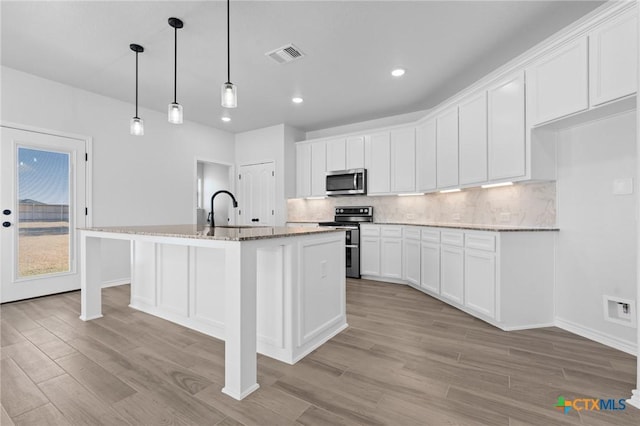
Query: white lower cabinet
[[370, 250], [452, 273], [411, 255], [480, 281], [391, 252], [504, 278]]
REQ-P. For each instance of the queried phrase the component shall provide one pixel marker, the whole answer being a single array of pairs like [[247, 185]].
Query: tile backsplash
[[530, 204]]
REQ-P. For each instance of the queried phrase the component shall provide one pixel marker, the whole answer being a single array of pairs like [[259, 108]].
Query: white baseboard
[[528, 326], [116, 282], [589, 333], [635, 398]]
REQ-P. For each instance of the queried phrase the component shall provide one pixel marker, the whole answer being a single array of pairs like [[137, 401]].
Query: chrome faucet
[[235, 203]]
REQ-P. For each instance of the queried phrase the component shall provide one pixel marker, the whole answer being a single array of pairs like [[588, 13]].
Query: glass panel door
[[42, 200], [44, 240]]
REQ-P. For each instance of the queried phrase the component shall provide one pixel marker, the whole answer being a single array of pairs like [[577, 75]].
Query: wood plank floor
[[406, 359]]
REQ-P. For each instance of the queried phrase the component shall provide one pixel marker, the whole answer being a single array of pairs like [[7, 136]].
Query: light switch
[[623, 186]]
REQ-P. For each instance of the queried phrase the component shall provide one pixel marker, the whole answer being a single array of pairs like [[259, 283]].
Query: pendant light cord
[[136, 84], [175, 64], [228, 49]]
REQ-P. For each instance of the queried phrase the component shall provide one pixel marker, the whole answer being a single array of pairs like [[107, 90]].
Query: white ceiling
[[351, 47]]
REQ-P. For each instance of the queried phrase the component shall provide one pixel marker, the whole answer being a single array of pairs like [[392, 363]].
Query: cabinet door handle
[[6, 224], [6, 212]]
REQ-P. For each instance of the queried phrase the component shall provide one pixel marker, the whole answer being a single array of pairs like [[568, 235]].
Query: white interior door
[[42, 198], [257, 194]]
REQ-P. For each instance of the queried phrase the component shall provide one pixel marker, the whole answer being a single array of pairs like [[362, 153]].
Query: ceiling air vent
[[285, 54]]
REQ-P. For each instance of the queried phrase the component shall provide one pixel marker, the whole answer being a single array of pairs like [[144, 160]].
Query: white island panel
[[173, 274], [322, 295], [277, 291], [207, 303]]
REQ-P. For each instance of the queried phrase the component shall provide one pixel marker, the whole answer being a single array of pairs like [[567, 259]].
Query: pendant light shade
[[175, 114], [229, 91], [136, 127], [229, 95]]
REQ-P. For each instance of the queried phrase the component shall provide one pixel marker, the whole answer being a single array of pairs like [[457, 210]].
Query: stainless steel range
[[349, 218]]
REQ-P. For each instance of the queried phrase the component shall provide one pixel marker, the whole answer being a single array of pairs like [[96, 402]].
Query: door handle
[[6, 224], [255, 219], [6, 212]]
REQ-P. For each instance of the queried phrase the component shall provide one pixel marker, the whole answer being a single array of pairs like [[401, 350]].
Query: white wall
[[136, 180], [596, 249], [269, 144]]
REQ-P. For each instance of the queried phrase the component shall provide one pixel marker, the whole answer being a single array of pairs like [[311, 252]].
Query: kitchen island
[[274, 290]]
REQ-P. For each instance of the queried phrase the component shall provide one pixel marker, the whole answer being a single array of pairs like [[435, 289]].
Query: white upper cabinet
[[506, 128], [318, 169], [303, 170], [336, 155], [355, 152], [613, 57], [403, 160], [447, 148], [557, 85], [377, 152], [473, 139], [426, 156]]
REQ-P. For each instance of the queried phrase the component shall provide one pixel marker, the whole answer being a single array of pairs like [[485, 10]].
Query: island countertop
[[223, 233]]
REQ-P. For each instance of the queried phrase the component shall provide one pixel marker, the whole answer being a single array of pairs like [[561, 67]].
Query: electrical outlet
[[505, 217], [620, 311], [623, 310]]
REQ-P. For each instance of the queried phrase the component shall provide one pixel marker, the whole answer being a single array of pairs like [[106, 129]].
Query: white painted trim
[[596, 336], [635, 398], [241, 395], [318, 343], [527, 327], [116, 282]]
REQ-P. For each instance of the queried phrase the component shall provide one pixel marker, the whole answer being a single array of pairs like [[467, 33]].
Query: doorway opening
[[212, 177]]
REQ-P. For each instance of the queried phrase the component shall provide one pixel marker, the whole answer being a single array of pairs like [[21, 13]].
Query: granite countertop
[[231, 233], [474, 227]]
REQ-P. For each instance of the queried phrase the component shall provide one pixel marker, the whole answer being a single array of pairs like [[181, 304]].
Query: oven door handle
[[351, 246]]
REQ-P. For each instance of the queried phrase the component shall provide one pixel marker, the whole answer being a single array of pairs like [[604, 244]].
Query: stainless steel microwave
[[347, 182]]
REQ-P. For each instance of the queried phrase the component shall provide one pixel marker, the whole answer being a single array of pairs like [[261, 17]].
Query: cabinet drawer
[[480, 242], [430, 235], [369, 231], [411, 233], [452, 238], [392, 231]]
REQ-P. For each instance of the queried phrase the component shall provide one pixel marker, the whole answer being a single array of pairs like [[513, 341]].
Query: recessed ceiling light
[[297, 100], [398, 72], [226, 119]]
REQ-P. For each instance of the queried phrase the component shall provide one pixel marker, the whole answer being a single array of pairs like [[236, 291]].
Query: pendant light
[[229, 93], [137, 125], [175, 109]]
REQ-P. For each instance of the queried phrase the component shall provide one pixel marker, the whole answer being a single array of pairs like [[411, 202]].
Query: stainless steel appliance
[[347, 182], [349, 218]]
